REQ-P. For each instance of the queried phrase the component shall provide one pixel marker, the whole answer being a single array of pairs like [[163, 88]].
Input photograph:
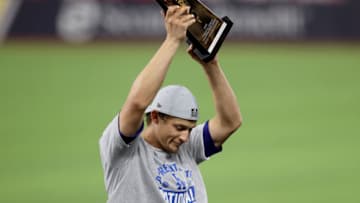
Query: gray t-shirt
[[140, 173]]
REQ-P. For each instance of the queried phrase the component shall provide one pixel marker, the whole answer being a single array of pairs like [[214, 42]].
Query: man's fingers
[[172, 9], [188, 19], [180, 14], [190, 48], [177, 11], [178, 20], [182, 10]]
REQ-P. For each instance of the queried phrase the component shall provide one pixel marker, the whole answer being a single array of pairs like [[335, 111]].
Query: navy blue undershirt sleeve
[[128, 139], [209, 145]]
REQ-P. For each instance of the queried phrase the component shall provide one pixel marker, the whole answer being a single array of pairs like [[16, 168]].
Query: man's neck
[[149, 136]]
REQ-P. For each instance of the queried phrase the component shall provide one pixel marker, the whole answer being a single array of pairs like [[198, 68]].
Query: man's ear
[[154, 115]]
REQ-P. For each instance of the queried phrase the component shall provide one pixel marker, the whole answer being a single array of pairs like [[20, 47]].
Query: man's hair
[[161, 115]]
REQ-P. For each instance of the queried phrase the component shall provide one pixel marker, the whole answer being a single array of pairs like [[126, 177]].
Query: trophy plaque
[[208, 32]]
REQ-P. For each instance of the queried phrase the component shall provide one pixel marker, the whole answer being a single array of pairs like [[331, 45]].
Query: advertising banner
[[8, 10], [81, 21]]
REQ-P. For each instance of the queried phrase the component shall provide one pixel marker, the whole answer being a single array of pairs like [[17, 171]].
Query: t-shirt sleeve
[[209, 144], [201, 145], [113, 143]]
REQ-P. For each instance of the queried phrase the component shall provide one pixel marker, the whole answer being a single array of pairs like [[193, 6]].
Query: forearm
[[145, 87], [228, 117], [152, 76]]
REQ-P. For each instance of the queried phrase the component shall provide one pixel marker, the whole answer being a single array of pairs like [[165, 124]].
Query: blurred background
[[66, 67]]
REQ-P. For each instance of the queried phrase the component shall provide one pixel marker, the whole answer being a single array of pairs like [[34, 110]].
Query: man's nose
[[184, 136]]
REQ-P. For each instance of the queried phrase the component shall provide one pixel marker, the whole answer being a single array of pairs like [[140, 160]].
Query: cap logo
[[194, 112], [158, 105]]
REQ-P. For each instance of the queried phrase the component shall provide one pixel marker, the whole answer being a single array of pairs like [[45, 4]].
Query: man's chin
[[173, 148]]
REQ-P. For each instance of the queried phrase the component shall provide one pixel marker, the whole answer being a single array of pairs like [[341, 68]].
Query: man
[[159, 163]]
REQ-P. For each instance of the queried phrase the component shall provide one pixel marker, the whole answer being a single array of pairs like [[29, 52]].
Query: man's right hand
[[177, 21]]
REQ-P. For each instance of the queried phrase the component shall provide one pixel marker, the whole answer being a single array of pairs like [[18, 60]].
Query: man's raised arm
[[228, 117], [150, 79]]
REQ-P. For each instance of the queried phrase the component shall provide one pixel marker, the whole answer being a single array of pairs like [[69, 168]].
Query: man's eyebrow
[[180, 125], [185, 126]]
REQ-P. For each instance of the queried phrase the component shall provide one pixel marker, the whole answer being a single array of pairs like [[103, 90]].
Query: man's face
[[173, 132]]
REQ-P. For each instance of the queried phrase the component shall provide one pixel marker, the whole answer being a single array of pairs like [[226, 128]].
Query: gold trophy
[[208, 32]]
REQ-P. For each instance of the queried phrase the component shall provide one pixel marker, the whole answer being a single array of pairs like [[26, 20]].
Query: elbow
[[137, 104], [231, 121], [232, 124], [236, 122]]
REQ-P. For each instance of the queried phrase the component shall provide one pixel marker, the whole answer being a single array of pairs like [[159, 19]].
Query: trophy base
[[207, 55]]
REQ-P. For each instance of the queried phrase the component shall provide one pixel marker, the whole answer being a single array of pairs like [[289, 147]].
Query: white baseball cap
[[176, 101]]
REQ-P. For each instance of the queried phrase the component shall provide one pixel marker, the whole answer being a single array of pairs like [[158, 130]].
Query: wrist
[[172, 41], [211, 65]]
